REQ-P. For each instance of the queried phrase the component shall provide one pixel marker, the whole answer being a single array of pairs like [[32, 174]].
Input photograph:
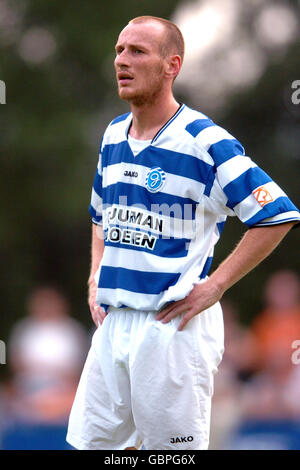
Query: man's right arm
[[97, 248]]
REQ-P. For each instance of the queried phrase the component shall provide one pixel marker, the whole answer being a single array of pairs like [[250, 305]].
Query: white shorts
[[145, 382]]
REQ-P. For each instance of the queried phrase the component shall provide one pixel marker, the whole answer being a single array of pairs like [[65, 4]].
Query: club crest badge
[[155, 179]]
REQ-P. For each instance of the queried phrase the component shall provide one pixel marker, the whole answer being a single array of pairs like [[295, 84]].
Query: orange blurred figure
[[278, 325]]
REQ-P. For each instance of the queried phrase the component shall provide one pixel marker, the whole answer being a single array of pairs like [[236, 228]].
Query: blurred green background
[[56, 58]]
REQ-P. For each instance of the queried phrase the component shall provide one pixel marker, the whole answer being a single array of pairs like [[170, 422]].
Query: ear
[[173, 65]]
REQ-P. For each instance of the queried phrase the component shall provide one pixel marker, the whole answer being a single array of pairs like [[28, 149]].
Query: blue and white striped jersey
[[163, 210]]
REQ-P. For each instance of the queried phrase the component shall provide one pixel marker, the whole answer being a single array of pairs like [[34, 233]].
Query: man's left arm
[[256, 244]]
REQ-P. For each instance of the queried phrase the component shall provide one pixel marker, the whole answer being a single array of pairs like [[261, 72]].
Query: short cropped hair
[[173, 43]]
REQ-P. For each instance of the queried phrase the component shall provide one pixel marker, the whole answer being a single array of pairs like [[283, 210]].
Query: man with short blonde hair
[[173, 42], [167, 179]]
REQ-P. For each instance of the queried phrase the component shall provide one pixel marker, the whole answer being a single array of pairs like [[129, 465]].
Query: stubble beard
[[148, 96], [145, 98]]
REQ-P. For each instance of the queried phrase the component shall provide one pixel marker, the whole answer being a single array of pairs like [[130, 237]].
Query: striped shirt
[[164, 209]]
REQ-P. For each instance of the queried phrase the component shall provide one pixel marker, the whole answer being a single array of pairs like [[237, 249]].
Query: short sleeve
[[95, 207], [252, 194], [241, 187]]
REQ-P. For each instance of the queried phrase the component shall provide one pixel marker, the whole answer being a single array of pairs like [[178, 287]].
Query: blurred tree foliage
[[51, 125], [50, 133]]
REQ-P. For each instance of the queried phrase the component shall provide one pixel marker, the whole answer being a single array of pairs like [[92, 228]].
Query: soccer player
[[166, 180]]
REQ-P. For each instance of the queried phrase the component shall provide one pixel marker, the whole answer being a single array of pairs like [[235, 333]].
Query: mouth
[[124, 78]]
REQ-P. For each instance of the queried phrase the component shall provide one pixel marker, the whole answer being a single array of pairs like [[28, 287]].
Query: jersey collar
[[161, 130]]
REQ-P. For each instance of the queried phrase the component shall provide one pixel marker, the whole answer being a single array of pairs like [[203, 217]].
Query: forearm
[[254, 247], [97, 248]]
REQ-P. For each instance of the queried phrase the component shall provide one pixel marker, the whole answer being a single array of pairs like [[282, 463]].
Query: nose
[[121, 59]]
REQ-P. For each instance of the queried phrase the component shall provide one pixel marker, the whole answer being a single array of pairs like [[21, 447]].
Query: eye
[[138, 51]]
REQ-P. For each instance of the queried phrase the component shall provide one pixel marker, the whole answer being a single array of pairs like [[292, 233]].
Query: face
[[140, 68]]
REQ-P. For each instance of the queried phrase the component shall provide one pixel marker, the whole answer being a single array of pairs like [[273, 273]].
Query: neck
[[150, 117]]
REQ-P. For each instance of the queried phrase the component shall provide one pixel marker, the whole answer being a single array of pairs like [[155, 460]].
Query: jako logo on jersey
[[155, 179], [131, 173], [262, 196], [175, 440]]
